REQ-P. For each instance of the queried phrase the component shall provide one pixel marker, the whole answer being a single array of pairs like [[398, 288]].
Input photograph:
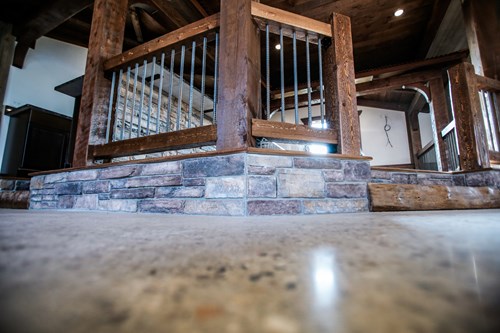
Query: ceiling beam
[[438, 12], [382, 104], [48, 18], [199, 8], [170, 11]]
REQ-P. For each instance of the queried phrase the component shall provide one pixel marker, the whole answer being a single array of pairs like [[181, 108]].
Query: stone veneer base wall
[[14, 192], [238, 184]]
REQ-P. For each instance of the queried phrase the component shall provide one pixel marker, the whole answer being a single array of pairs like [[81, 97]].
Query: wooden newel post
[[340, 88], [106, 40], [439, 120], [471, 134], [239, 75]]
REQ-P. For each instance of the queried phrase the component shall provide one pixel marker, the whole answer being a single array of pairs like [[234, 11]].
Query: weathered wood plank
[[106, 40], [285, 131], [399, 81], [170, 39], [399, 197], [485, 83], [188, 138], [469, 123], [239, 79], [340, 88], [439, 120], [265, 151], [290, 19]]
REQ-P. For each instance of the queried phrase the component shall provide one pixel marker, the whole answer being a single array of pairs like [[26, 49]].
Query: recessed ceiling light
[[399, 12], [277, 47]]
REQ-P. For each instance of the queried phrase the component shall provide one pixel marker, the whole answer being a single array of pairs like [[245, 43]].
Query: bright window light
[[317, 148]]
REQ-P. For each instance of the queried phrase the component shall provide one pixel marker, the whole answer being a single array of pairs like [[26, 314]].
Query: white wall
[[424, 122], [374, 140], [50, 64]]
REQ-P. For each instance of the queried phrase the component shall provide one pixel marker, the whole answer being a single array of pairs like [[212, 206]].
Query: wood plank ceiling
[[380, 38]]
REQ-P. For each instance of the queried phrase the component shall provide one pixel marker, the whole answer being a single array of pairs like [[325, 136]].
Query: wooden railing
[[427, 157], [450, 138], [159, 101], [489, 93]]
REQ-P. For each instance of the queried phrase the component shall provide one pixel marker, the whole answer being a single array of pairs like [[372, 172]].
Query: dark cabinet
[[37, 140]]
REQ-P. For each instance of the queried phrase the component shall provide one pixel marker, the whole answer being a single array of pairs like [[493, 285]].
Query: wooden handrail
[[448, 128], [286, 131], [170, 39], [485, 83], [425, 149]]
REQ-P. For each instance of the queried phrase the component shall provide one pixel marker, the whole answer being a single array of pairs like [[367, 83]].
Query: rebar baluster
[[203, 73], [125, 108], [191, 84], [110, 109], [117, 105], [134, 93], [170, 89], [308, 70], [216, 75], [151, 90], [268, 76], [321, 100], [143, 83], [160, 92], [282, 72], [295, 79], [181, 84]]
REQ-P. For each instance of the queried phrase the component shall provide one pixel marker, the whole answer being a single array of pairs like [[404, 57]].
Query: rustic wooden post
[[469, 123], [415, 143], [106, 40], [340, 88], [7, 43], [439, 120], [239, 75]]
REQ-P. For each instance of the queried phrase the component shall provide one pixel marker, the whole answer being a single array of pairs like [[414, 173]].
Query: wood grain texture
[[170, 39], [398, 81], [342, 90], [188, 138], [239, 78], [439, 120], [285, 131], [108, 25], [486, 83], [399, 197], [472, 144]]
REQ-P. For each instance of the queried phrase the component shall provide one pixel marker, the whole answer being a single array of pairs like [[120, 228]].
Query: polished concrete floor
[[374, 272]]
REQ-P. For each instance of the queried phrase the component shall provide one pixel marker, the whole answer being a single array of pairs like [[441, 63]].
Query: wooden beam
[[169, 9], [290, 19], [51, 16], [239, 78], [168, 40], [485, 83], [137, 25], [106, 40], [199, 7], [381, 104], [188, 138], [470, 129], [400, 197], [340, 88], [439, 120], [286, 131]]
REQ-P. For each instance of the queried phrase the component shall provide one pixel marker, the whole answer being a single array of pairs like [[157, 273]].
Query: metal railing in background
[[427, 158], [490, 108], [450, 138]]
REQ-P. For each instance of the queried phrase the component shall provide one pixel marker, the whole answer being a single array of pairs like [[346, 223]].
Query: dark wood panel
[[439, 119], [188, 138], [286, 131]]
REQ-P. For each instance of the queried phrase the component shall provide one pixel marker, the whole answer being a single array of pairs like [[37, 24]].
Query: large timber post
[[239, 75], [106, 40], [439, 120]]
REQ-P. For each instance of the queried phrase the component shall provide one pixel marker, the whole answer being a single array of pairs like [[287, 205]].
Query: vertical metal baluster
[[308, 70], [110, 108], [191, 84], [282, 72], [268, 76], [216, 75], [160, 92], [125, 102], [203, 72], [151, 90], [134, 94], [321, 100], [143, 83], [118, 101], [181, 84], [170, 89], [295, 79]]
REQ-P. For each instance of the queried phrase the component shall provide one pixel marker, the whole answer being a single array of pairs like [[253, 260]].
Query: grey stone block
[[22, 185], [118, 205], [296, 183], [331, 206], [274, 207], [121, 171], [37, 182], [436, 181], [261, 187], [269, 161], [228, 207], [49, 197], [133, 193], [459, 180], [43, 204], [35, 197], [99, 186], [334, 175], [43, 191], [316, 163], [479, 179], [225, 187], [56, 177], [357, 171], [399, 178], [154, 181], [193, 181], [7, 184], [378, 174], [346, 190], [161, 168], [170, 206], [82, 175], [232, 165], [261, 170], [180, 192], [68, 188], [103, 196], [66, 202], [86, 201]]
